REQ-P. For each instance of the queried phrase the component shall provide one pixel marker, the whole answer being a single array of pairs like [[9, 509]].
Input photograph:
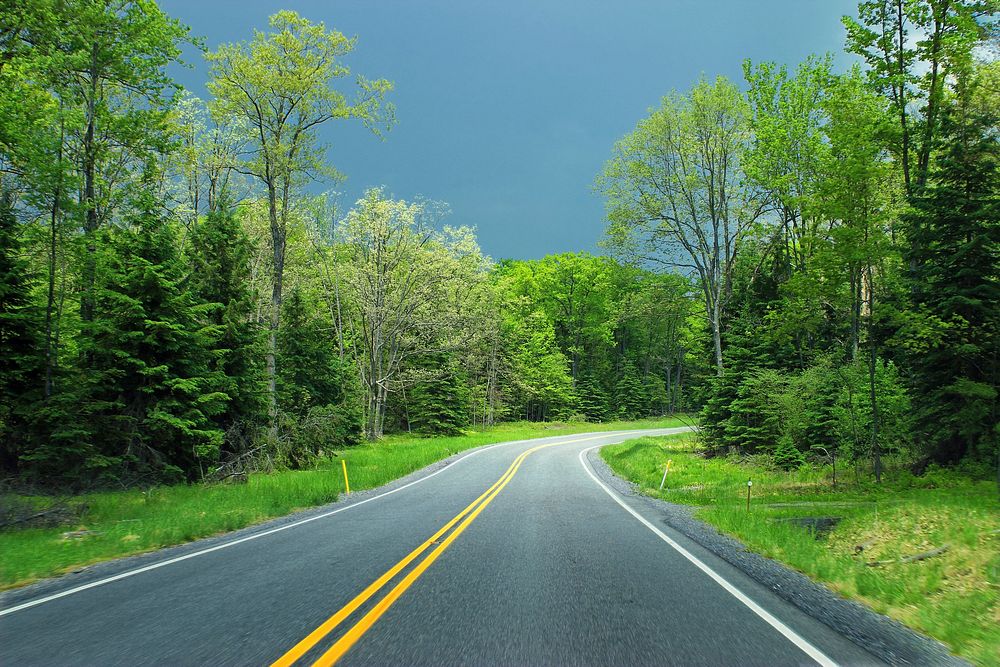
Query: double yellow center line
[[462, 519]]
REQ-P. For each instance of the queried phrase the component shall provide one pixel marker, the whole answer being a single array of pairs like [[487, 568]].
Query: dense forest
[[808, 258]]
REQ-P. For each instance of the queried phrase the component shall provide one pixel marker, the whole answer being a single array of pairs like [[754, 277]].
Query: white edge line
[[789, 634], [294, 524]]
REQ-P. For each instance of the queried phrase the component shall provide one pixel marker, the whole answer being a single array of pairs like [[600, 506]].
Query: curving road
[[518, 553]]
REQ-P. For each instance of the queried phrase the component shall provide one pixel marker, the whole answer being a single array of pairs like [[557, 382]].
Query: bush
[[787, 456], [304, 439]]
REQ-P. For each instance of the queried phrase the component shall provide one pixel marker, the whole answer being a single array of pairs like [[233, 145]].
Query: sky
[[507, 110]]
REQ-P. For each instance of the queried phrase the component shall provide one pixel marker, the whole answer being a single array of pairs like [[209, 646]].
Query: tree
[[115, 70], [406, 285], [150, 391], [954, 230], [281, 85], [220, 275], [630, 397], [576, 292], [19, 359], [786, 119], [543, 383], [202, 166], [676, 195], [859, 189], [438, 404], [946, 32]]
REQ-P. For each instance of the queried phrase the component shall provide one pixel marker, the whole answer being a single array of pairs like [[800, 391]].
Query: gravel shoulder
[[880, 635]]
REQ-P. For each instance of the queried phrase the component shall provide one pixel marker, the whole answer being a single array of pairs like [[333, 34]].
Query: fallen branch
[[925, 555], [911, 559]]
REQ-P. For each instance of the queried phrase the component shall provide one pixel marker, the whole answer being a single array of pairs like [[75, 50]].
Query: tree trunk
[[90, 195], [855, 312], [904, 125], [930, 120], [875, 449], [50, 349], [278, 269], [714, 320]]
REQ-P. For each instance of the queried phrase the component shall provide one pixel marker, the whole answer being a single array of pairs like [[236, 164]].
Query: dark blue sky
[[508, 109]]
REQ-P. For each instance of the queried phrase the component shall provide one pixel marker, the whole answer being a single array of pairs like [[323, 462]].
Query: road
[[547, 565]]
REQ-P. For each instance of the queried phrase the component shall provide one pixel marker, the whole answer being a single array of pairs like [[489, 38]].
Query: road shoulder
[[881, 636]]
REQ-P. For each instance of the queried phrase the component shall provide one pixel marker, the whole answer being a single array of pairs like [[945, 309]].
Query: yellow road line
[[361, 627], [328, 626]]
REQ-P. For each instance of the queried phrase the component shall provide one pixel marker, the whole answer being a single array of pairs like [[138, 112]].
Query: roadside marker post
[[749, 484], [665, 471], [343, 462]]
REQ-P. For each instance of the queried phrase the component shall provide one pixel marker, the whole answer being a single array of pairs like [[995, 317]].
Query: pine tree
[[630, 394], [437, 405], [311, 374], [149, 384], [954, 232], [19, 345], [317, 391], [220, 275], [593, 400]]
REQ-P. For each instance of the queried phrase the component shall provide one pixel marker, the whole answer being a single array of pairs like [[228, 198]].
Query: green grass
[[954, 597], [124, 523]]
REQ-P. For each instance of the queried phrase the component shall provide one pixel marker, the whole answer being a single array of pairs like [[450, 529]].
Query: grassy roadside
[[954, 596], [122, 523]]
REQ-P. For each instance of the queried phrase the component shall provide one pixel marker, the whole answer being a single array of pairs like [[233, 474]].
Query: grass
[[954, 597], [123, 523]]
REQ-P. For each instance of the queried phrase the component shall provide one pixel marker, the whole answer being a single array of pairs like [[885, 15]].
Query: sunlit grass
[[129, 522], [954, 597]]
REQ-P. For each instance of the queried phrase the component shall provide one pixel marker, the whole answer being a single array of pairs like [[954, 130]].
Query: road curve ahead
[[514, 554]]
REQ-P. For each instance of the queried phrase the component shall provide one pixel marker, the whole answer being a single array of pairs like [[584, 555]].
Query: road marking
[[341, 646], [226, 545], [327, 626], [788, 633]]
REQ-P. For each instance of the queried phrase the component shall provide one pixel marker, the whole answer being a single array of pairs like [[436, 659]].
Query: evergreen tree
[[954, 232], [19, 358], [311, 374], [437, 405], [315, 389], [150, 384], [220, 275], [630, 394], [593, 400]]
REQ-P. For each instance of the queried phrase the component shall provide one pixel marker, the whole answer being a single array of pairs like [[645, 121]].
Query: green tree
[[438, 403], [219, 257], [150, 389], [630, 396], [954, 232], [911, 48], [317, 391], [19, 358], [115, 73], [676, 194], [281, 85], [785, 157]]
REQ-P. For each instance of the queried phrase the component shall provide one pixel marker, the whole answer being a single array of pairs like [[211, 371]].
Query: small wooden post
[[347, 484], [749, 484]]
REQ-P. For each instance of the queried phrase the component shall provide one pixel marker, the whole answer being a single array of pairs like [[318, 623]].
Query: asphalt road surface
[[516, 554]]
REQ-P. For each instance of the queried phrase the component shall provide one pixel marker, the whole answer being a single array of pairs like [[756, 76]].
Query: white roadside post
[[665, 471]]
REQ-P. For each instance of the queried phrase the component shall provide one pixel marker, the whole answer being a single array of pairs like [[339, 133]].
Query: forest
[[808, 259]]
